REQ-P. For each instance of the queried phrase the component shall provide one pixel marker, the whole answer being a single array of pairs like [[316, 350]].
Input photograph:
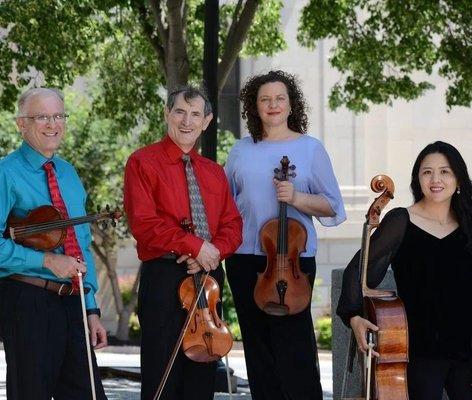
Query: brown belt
[[62, 289]]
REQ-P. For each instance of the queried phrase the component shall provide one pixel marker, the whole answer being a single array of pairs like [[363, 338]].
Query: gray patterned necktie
[[197, 209]]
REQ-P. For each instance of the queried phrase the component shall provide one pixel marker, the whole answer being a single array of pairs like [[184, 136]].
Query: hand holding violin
[[285, 191], [193, 266], [63, 266], [209, 256]]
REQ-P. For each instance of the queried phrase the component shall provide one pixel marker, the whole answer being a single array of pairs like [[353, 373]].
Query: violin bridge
[[12, 233]]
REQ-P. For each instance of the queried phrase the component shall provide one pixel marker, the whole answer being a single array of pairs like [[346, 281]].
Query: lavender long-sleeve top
[[250, 171]]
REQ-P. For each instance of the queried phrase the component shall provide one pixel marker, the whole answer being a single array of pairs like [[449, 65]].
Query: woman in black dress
[[429, 246]]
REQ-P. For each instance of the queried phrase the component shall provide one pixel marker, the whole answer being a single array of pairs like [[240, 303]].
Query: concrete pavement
[[126, 389]]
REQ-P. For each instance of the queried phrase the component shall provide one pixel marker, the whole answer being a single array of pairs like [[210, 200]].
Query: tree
[[130, 52], [380, 44]]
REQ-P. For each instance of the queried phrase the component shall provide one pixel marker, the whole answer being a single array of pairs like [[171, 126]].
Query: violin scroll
[[284, 174], [384, 184]]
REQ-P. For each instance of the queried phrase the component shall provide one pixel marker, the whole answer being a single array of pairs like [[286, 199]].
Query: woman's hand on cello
[[360, 326]]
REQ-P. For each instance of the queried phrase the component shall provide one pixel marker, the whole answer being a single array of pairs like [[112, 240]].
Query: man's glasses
[[44, 119]]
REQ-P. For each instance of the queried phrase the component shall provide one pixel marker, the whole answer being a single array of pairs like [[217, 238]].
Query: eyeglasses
[[44, 119]]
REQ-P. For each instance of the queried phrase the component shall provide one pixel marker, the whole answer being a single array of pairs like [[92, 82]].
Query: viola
[[207, 337], [45, 227], [386, 377], [283, 289]]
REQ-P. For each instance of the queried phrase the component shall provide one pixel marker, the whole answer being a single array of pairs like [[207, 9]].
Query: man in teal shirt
[[40, 323]]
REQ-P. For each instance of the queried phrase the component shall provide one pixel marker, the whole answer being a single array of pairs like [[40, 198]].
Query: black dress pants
[[161, 318], [44, 341], [428, 377], [281, 353]]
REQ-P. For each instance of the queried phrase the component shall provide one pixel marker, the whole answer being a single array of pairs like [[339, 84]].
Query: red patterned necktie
[[71, 245]]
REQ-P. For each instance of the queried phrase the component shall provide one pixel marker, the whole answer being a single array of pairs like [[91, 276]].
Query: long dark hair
[[461, 203], [297, 120]]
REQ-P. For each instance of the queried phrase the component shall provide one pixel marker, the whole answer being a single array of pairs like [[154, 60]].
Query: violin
[[45, 227], [204, 336], [283, 289], [386, 377], [207, 337]]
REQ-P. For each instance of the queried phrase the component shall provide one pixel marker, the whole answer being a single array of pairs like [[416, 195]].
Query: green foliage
[[62, 40], [229, 312], [382, 44], [226, 141], [324, 333]]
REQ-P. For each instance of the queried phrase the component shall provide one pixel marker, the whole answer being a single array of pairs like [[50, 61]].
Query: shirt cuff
[[96, 311], [34, 258], [193, 244], [90, 302]]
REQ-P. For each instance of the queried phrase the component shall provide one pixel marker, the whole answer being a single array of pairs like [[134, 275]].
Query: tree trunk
[[122, 332]]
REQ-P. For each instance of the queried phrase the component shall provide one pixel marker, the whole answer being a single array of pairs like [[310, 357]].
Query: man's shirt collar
[[33, 157], [174, 152]]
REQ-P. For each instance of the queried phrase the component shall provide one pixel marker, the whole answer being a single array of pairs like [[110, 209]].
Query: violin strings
[[45, 226]]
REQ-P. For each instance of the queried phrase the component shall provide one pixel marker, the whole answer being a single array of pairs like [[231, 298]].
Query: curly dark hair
[[297, 120], [461, 203]]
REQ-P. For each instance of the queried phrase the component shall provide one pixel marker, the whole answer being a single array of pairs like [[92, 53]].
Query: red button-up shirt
[[156, 202]]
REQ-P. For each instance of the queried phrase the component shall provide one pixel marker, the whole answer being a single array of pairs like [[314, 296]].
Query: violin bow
[[173, 356], [228, 376], [87, 339]]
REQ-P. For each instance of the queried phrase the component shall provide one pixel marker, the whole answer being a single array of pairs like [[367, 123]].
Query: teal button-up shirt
[[23, 187]]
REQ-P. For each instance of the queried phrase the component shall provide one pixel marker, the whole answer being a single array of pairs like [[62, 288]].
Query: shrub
[[323, 332]]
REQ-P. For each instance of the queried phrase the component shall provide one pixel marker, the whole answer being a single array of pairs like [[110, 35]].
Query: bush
[[323, 332]]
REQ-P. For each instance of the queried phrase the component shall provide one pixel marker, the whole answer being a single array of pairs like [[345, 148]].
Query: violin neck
[[364, 257], [65, 223], [282, 234]]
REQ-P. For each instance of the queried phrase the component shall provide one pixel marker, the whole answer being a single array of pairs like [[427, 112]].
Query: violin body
[[45, 227], [42, 240], [207, 337], [389, 371], [283, 289]]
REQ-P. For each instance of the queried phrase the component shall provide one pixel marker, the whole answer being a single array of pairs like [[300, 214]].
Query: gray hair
[[189, 92], [40, 91]]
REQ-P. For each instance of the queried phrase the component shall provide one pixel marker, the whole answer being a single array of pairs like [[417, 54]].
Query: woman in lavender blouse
[[280, 351]]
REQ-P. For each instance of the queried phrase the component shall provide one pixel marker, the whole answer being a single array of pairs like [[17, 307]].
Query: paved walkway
[[125, 389]]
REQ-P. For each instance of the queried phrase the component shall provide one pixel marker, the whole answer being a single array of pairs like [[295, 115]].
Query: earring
[[458, 191]]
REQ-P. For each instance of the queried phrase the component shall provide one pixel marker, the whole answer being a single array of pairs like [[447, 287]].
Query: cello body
[[389, 381]]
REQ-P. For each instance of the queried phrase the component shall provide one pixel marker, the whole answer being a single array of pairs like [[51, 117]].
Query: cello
[[386, 375], [283, 289]]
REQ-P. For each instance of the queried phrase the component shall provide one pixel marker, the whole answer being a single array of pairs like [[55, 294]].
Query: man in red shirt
[[157, 201]]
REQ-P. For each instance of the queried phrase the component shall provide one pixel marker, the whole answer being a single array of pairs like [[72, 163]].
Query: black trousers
[[428, 377], [161, 318], [281, 353], [44, 341]]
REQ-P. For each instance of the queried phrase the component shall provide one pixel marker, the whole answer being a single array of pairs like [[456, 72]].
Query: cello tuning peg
[[107, 207], [113, 223], [98, 208], [293, 174], [292, 167], [276, 170]]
